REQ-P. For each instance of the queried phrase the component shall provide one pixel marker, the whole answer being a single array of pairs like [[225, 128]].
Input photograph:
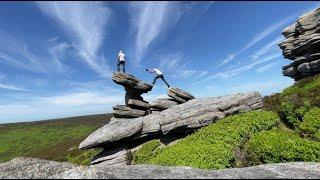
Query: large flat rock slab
[[179, 95], [115, 130], [123, 111], [193, 114], [131, 83], [163, 103], [26, 168]]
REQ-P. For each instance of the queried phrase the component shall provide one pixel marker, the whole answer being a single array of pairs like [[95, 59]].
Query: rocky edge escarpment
[[302, 46]]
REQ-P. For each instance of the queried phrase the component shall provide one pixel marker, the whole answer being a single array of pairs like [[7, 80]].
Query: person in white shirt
[[159, 75], [121, 61]]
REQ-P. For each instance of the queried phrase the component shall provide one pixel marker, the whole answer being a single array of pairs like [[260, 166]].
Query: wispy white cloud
[[59, 106], [20, 63], [83, 98], [267, 67], [11, 87], [85, 24], [267, 48], [149, 20], [15, 52], [234, 72], [260, 36], [176, 65], [58, 52], [53, 39], [265, 87]]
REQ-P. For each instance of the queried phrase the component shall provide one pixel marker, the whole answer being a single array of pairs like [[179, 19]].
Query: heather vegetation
[[287, 130], [53, 140]]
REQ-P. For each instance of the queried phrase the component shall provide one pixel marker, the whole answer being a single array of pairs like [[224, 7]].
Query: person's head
[[120, 51], [147, 69]]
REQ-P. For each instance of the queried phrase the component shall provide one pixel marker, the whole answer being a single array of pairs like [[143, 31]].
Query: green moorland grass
[[212, 147], [53, 139], [310, 126], [281, 145], [147, 150], [295, 101]]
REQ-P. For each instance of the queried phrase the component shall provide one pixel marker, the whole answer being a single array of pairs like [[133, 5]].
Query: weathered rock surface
[[163, 103], [139, 104], [193, 114], [118, 156], [23, 168], [179, 95], [122, 111], [115, 130], [135, 105], [302, 46], [131, 83]]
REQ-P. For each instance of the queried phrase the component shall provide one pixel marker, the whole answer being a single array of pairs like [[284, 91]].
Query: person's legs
[[118, 66], [154, 80], [165, 81], [124, 66]]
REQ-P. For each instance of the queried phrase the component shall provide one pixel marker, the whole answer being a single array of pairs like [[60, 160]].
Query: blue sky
[[57, 58]]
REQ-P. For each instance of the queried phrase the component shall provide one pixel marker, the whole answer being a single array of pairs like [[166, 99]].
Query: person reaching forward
[[159, 74]]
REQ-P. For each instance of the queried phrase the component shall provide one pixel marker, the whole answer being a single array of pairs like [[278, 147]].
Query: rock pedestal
[[302, 46], [134, 106]]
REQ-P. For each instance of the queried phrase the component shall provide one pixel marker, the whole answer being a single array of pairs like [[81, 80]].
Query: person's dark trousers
[[123, 66], [161, 77]]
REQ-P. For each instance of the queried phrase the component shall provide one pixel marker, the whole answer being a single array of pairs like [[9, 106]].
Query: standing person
[[121, 61], [159, 75]]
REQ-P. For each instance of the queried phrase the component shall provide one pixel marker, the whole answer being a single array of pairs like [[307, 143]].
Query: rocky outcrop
[[122, 111], [163, 104], [127, 124], [131, 84], [27, 168], [135, 105], [302, 46], [191, 115], [179, 95]]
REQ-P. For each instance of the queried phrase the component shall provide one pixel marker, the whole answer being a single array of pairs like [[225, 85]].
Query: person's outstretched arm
[[150, 70]]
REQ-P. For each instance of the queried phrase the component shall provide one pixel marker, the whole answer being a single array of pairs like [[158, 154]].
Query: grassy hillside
[[214, 146], [52, 139], [287, 130]]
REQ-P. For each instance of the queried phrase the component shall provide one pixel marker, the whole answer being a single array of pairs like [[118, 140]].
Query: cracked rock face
[[302, 46], [164, 103], [179, 95], [135, 105], [193, 114], [22, 168], [131, 83]]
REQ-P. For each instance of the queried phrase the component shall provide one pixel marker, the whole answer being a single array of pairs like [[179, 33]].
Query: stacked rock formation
[[134, 106], [302, 46], [121, 136], [177, 96]]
